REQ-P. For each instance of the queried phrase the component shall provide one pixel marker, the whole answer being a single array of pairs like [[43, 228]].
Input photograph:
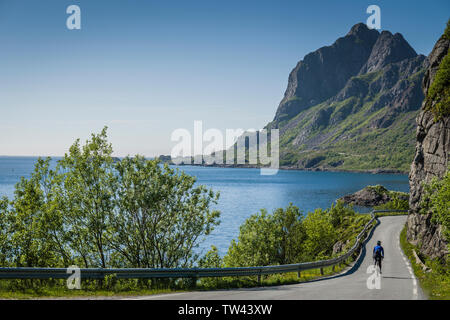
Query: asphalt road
[[396, 281]]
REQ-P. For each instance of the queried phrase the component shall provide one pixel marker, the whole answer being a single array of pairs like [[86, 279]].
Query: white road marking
[[414, 280]]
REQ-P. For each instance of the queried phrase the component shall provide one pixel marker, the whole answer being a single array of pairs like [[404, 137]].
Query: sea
[[244, 191]]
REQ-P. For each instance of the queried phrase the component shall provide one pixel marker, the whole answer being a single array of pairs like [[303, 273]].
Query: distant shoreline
[[372, 171]]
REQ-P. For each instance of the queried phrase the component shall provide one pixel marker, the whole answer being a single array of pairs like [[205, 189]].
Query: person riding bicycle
[[378, 254]]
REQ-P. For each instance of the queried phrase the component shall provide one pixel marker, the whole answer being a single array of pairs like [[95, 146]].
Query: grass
[[268, 280], [60, 291], [57, 289], [438, 97], [435, 284], [111, 287], [386, 214]]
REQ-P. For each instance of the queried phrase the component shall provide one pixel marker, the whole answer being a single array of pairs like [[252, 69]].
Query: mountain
[[432, 152], [352, 105]]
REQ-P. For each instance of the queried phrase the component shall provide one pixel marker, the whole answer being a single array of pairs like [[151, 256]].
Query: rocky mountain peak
[[346, 102], [389, 48], [324, 72], [360, 30]]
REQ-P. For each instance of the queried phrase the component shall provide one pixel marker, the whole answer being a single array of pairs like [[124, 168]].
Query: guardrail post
[[259, 278], [298, 274], [333, 267], [195, 279], [321, 271]]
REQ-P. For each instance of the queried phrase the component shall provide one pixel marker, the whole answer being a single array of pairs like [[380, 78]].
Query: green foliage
[[211, 259], [447, 30], [435, 283], [161, 214], [320, 235], [350, 141], [267, 239], [436, 199], [93, 211], [285, 236], [438, 97], [395, 204], [339, 212]]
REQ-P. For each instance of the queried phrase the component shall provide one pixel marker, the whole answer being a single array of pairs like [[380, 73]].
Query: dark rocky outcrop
[[345, 102], [322, 73], [431, 160], [372, 196]]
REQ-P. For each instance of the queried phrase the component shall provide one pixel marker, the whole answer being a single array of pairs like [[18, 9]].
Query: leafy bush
[[396, 203], [94, 211], [285, 236], [438, 98], [267, 239], [436, 199]]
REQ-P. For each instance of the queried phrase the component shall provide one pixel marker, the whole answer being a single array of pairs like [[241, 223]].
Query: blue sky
[[146, 68]]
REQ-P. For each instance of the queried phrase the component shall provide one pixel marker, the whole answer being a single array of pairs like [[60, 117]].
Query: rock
[[372, 196], [323, 73], [431, 160], [334, 90], [339, 246]]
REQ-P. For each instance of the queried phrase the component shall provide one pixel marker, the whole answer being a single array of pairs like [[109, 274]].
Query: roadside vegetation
[[284, 237], [95, 211], [438, 97], [400, 201], [435, 281]]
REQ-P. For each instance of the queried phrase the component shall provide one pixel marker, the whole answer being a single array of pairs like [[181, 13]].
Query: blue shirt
[[378, 248]]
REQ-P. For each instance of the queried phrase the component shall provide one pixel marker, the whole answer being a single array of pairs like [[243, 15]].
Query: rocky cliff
[[352, 105], [431, 160]]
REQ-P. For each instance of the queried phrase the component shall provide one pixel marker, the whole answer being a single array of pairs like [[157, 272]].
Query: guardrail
[[128, 273]]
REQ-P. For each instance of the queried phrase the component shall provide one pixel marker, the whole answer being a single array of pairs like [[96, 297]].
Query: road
[[397, 280]]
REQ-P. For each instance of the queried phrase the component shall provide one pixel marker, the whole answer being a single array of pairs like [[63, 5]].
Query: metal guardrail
[[128, 273]]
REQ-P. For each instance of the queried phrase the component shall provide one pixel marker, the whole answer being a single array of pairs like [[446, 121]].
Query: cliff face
[[431, 160], [352, 105], [322, 73]]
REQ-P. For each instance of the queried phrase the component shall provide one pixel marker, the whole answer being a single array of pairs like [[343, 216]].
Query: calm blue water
[[244, 191]]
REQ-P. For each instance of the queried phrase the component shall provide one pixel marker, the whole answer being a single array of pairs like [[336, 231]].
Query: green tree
[[5, 247], [30, 220], [211, 259], [290, 234], [268, 239], [161, 216], [86, 196], [256, 244], [320, 235], [436, 200], [339, 212]]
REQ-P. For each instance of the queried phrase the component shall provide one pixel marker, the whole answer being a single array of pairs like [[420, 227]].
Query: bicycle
[[377, 262]]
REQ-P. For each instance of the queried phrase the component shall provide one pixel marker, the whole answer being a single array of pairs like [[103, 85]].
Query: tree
[[290, 234], [320, 235], [30, 221], [268, 239], [5, 243], [436, 200], [95, 211], [161, 214], [86, 188]]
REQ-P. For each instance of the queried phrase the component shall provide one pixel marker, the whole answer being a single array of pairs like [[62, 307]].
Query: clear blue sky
[[145, 68]]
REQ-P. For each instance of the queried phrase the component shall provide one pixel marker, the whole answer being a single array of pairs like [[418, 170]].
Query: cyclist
[[378, 254]]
